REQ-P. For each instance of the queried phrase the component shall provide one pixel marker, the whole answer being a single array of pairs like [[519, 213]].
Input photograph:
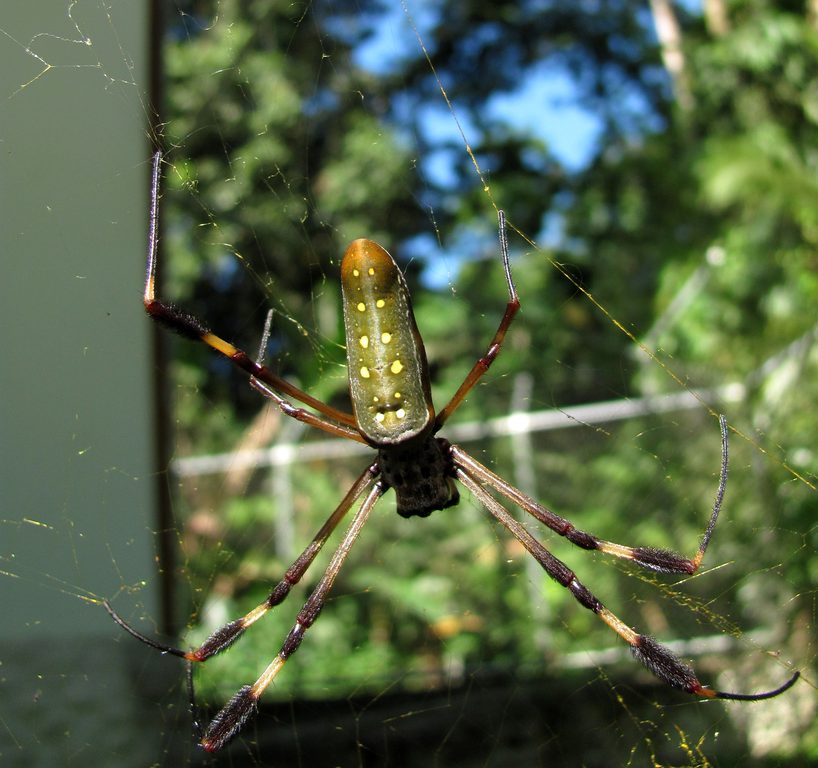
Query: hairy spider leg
[[483, 364], [661, 661], [336, 422], [229, 721], [225, 636], [662, 560]]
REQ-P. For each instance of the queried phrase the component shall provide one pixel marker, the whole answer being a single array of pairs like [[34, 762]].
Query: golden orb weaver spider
[[393, 412]]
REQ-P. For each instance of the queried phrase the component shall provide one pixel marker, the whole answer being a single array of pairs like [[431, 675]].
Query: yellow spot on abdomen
[[364, 341], [396, 367], [386, 338], [380, 303], [361, 307], [364, 372], [400, 413]]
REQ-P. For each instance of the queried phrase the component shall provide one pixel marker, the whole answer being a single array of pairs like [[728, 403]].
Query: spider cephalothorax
[[421, 473]]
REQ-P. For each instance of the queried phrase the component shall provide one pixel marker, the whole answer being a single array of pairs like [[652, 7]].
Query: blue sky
[[544, 105]]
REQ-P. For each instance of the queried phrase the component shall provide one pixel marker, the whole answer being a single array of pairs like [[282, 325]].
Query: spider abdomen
[[388, 373]]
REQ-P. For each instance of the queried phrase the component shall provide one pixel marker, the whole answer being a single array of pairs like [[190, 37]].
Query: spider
[[393, 412]]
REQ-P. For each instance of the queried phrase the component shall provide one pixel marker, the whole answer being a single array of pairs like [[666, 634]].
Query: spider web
[[456, 653]]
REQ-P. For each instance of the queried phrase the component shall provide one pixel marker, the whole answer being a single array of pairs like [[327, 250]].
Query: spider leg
[[190, 327], [300, 414], [198, 728], [229, 721], [483, 364], [663, 560], [660, 660], [225, 636]]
